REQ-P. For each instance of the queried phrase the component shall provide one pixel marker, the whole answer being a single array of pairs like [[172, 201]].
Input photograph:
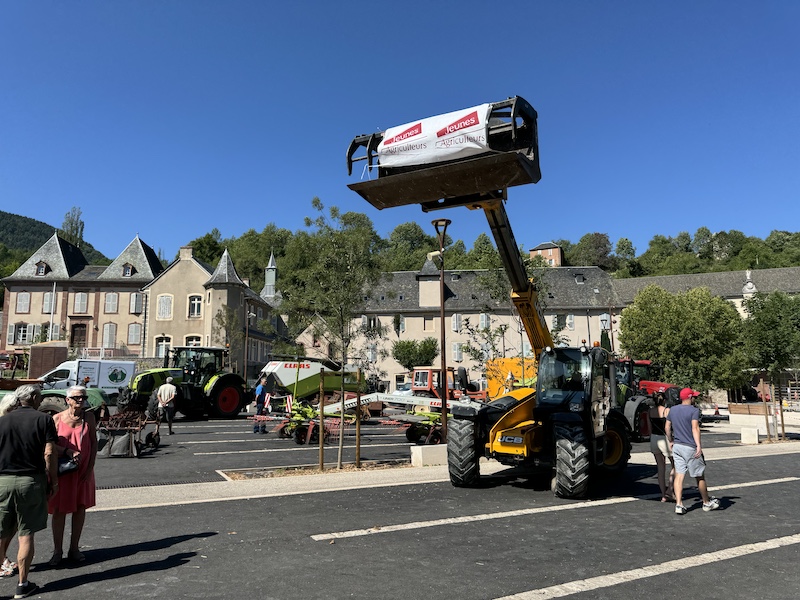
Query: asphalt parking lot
[[169, 524]]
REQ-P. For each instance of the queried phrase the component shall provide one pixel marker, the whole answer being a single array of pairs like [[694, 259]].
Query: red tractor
[[638, 382]]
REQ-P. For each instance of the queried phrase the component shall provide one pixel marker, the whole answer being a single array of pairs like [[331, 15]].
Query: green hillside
[[26, 234]]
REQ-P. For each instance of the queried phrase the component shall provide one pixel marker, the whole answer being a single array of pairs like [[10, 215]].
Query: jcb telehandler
[[571, 424]]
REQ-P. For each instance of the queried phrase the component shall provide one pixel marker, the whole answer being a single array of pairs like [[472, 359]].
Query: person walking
[[28, 477], [660, 447], [261, 402], [166, 403], [683, 432], [8, 568], [77, 438]]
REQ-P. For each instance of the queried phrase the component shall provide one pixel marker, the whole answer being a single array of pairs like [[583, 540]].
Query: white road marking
[[519, 513], [256, 438], [295, 449], [604, 581]]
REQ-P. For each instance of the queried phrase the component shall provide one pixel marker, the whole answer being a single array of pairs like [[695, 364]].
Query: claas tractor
[[204, 387]]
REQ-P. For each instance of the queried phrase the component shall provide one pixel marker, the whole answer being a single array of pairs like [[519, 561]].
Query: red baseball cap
[[687, 393]]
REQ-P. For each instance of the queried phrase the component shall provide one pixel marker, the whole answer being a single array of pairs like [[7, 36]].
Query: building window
[[47, 303], [128, 270], [372, 353], [134, 334], [41, 269], [162, 346], [23, 302], [111, 302], [193, 340], [428, 324], [21, 334], [164, 307], [110, 335], [136, 303], [195, 306], [485, 323], [401, 324], [81, 302], [458, 353], [455, 322], [571, 322]]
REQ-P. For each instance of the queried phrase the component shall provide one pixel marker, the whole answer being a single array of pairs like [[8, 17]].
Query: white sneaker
[[680, 510], [712, 504]]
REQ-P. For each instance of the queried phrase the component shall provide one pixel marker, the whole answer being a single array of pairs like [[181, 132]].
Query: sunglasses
[[77, 397]]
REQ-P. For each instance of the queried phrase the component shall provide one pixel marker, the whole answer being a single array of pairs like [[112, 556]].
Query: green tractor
[[204, 388]]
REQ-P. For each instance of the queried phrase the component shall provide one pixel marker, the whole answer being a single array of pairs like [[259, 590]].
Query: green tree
[[336, 278], [415, 353], [406, 248], [72, 227], [695, 335], [208, 247], [771, 331], [226, 331], [593, 249]]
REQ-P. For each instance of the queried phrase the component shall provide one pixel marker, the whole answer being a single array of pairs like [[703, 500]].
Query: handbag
[[67, 464]]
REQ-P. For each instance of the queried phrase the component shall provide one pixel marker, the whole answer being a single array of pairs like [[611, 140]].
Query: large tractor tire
[[618, 448], [53, 405], [152, 407], [641, 424], [462, 453], [572, 461], [416, 432], [226, 401]]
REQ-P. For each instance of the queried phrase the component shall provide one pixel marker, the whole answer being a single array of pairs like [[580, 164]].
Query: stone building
[[194, 304], [57, 295]]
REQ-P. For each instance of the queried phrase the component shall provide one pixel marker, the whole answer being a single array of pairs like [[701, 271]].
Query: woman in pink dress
[[77, 436]]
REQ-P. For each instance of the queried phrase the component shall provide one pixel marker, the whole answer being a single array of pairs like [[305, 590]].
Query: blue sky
[[170, 118]]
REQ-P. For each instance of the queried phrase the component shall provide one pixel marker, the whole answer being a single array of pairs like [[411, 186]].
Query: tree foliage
[[415, 353], [696, 336], [72, 227], [771, 331]]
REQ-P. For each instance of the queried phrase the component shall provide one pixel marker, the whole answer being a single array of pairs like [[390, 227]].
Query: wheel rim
[[613, 447], [228, 400]]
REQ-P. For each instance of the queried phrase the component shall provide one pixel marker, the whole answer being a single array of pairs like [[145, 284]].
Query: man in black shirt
[[28, 477]]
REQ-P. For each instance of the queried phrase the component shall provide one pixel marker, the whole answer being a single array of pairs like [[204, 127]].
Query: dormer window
[[42, 269], [580, 279], [128, 270]]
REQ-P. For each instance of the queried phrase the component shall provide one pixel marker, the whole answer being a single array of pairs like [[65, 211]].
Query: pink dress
[[72, 492]]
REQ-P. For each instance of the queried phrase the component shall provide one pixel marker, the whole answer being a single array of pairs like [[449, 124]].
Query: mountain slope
[[23, 233]]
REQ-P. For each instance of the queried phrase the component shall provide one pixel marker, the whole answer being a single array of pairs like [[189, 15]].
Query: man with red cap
[[683, 433]]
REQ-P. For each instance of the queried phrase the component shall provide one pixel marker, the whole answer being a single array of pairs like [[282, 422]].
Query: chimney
[[185, 253]]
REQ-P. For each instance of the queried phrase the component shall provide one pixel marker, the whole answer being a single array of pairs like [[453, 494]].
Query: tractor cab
[[198, 363]]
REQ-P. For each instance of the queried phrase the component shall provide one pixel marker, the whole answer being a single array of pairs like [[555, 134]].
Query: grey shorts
[[685, 461], [23, 504]]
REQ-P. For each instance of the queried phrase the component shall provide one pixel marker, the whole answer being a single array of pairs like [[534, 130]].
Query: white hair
[[8, 403], [27, 395]]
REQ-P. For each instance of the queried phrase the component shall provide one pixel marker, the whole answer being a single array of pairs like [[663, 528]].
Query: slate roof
[[563, 288], [399, 292], [567, 288], [727, 284], [141, 257], [63, 259], [225, 273], [545, 246]]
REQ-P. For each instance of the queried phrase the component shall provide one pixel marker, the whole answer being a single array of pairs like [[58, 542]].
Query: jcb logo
[[510, 439]]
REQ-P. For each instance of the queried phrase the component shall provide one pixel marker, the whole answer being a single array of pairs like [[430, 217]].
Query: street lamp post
[[441, 227]]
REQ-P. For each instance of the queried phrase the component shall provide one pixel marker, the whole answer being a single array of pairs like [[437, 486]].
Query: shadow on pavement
[[100, 555]]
